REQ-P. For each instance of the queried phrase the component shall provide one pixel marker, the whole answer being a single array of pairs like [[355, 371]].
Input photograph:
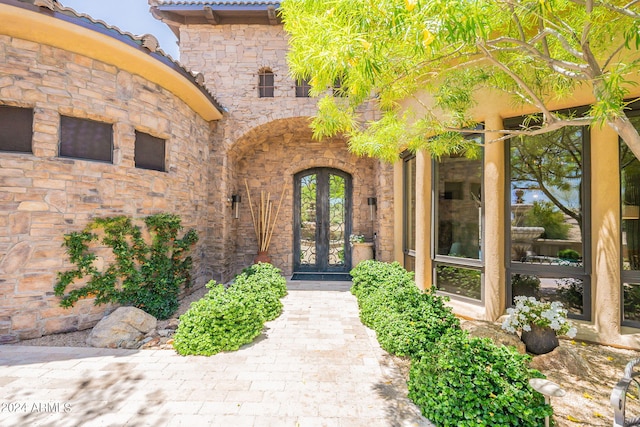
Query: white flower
[[526, 328], [529, 311]]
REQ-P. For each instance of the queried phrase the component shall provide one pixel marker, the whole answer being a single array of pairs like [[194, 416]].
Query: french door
[[322, 221]]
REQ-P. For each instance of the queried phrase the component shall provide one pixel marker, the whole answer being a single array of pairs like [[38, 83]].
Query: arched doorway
[[322, 221]]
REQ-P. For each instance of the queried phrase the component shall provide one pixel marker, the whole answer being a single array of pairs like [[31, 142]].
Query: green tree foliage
[[391, 52], [545, 214], [144, 275]]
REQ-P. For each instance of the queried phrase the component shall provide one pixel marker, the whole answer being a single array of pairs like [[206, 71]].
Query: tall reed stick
[[264, 221]]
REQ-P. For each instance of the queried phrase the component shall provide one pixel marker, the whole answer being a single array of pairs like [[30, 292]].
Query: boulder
[[563, 360], [124, 328], [483, 329]]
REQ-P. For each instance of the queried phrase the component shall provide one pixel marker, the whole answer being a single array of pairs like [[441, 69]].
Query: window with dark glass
[[16, 129], [458, 213], [86, 139], [547, 245], [265, 83], [409, 211], [149, 152], [630, 211], [302, 88]]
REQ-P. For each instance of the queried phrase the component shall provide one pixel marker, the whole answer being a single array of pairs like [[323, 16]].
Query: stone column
[[494, 222]]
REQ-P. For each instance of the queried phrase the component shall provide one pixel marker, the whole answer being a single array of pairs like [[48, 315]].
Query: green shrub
[[221, 321], [569, 254], [147, 276], [263, 284], [407, 321], [226, 319], [472, 382]]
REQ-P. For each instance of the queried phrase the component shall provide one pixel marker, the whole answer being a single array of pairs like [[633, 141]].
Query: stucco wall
[[42, 196]]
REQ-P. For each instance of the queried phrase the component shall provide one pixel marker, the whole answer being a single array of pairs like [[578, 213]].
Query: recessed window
[[630, 212], [265, 83], [16, 129], [150, 152], [86, 139], [458, 225], [548, 229], [302, 88]]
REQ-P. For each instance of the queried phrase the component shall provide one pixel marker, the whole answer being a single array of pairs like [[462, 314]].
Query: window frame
[[409, 255], [302, 88], [63, 118], [17, 110], [626, 276], [452, 261], [266, 90], [545, 270]]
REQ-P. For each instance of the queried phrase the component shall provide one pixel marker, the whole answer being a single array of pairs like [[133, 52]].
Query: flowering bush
[[356, 238], [529, 311]]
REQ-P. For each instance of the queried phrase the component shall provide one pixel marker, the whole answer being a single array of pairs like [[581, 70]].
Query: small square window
[[16, 129], [149, 152], [86, 139], [265, 84], [302, 88]]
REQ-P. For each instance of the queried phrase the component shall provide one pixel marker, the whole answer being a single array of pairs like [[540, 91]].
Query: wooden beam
[[271, 13], [212, 18]]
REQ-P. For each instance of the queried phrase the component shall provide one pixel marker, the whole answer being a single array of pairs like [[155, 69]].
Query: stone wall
[[266, 140], [42, 196]]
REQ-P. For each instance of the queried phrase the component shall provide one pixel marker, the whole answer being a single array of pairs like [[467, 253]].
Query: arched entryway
[[322, 221]]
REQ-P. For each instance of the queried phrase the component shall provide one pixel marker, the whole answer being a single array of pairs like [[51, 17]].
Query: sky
[[128, 15]]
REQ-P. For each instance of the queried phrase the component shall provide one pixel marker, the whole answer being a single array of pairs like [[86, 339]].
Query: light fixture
[[235, 201], [371, 201]]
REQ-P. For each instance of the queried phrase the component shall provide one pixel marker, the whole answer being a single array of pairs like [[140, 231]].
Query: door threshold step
[[323, 277]]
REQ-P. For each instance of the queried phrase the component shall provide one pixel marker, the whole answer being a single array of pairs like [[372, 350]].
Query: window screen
[[15, 129], [86, 139], [265, 84], [150, 152], [302, 89]]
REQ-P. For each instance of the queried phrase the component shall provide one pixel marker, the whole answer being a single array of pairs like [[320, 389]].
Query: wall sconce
[[235, 201], [371, 201]]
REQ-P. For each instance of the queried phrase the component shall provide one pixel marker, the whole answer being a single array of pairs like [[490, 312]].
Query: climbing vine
[[144, 275]]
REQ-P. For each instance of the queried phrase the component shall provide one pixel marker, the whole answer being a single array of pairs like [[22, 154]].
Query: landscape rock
[[479, 328], [562, 359], [124, 328]]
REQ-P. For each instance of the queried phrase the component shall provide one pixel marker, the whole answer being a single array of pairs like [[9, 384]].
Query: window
[[302, 88], [149, 152], [409, 211], [458, 213], [16, 129], [86, 139], [547, 242], [265, 83], [630, 211]]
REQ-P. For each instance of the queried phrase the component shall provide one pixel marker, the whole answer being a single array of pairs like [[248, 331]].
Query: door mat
[[323, 277]]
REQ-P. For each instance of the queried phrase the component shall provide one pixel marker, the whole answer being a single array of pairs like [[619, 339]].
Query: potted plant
[[540, 323], [264, 222], [360, 250]]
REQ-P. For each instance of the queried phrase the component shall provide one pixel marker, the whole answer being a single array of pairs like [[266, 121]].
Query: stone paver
[[316, 365]]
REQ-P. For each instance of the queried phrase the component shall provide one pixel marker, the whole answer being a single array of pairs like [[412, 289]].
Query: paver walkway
[[316, 365]]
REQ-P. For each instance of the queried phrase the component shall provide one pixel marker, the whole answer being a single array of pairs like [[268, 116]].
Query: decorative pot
[[540, 340], [361, 251], [262, 256]]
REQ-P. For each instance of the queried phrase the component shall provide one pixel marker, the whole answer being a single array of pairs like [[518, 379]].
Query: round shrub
[[472, 382], [221, 321]]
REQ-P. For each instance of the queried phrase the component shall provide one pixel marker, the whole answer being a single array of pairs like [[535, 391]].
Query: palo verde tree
[[389, 51]]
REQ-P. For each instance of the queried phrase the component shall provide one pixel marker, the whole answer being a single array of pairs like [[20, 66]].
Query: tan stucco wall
[[42, 196]]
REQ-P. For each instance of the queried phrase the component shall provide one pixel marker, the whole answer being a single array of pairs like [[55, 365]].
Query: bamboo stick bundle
[[263, 218]]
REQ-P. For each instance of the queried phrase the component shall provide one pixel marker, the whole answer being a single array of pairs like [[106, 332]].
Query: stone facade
[[43, 196], [267, 141]]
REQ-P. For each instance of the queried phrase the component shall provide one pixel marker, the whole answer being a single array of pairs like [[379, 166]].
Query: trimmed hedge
[[407, 321], [227, 318], [472, 382], [455, 380]]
